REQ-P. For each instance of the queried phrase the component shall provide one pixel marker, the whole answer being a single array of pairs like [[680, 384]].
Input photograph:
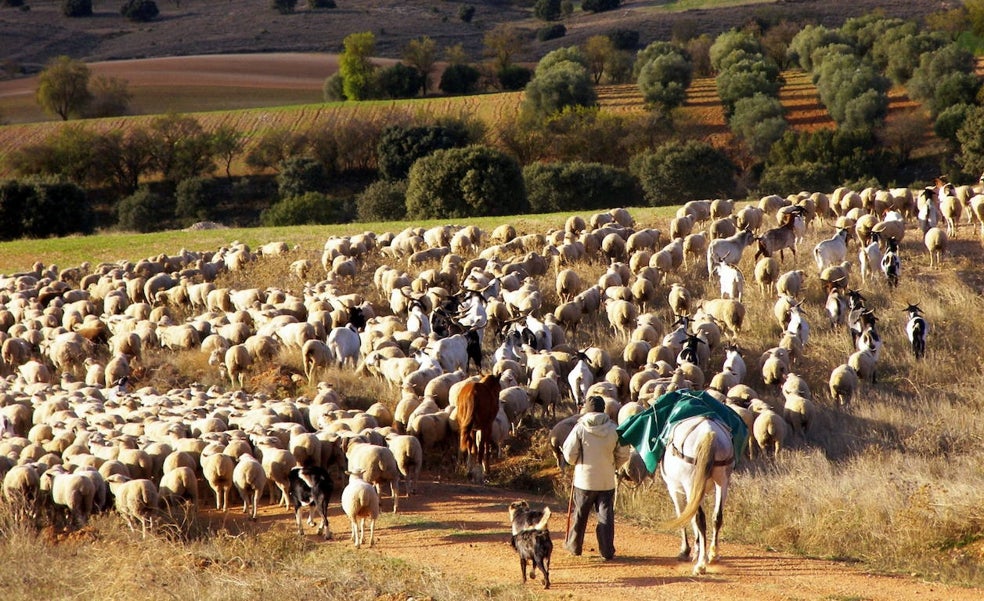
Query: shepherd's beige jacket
[[592, 448]]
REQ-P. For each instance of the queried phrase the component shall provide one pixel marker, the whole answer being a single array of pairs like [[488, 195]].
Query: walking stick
[[570, 509]]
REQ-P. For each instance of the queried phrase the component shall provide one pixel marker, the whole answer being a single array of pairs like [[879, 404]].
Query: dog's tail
[[542, 524]]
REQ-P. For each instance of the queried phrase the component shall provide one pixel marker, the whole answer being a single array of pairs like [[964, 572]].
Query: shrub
[[514, 77], [399, 147], [310, 208], [597, 6], [934, 67], [759, 121], [465, 182], [77, 8], [300, 175], [680, 171], [577, 186], [853, 92], [284, 7], [551, 32], [949, 122], [466, 12], [462, 79], [13, 4], [321, 4], [553, 58], [731, 41], [139, 10], [804, 43], [747, 78], [971, 139], [39, 208], [142, 211], [399, 81], [334, 88], [624, 39], [383, 201], [196, 198]]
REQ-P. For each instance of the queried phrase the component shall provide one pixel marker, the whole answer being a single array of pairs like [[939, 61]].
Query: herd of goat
[[80, 432]]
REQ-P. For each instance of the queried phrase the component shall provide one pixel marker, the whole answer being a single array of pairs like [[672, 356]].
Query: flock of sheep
[[80, 433]]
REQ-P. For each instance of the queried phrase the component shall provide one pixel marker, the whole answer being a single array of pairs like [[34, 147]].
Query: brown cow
[[478, 404]]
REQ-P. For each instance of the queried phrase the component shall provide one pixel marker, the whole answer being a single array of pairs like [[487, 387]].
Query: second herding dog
[[531, 539]]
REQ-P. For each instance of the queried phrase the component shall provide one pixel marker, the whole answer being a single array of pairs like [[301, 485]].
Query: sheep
[[360, 502], [179, 483], [936, 241], [277, 464], [727, 249], [622, 316], [679, 299], [217, 470], [951, 209], [766, 274], [864, 365], [21, 485], [378, 465], [799, 412], [558, 434], [770, 430], [831, 251], [73, 492], [135, 500], [791, 283], [843, 384], [409, 454], [728, 312]]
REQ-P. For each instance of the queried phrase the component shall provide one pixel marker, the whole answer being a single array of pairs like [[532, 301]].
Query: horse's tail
[[703, 466]]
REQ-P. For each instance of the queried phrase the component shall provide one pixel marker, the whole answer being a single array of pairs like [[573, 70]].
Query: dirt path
[[451, 525]]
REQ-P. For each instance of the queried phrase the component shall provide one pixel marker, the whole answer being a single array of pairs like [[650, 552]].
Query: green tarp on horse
[[650, 430]]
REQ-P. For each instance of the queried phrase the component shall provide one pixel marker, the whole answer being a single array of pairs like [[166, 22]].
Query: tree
[[399, 81], [680, 171], [971, 139], [139, 10], [284, 7], [598, 50], [502, 44], [196, 198], [110, 97], [904, 133], [664, 80], [730, 41], [63, 87], [357, 71], [400, 147], [181, 148], [421, 54], [597, 6], [975, 14], [546, 10], [465, 182], [811, 37], [383, 200], [459, 79], [746, 78], [39, 208], [455, 55], [143, 211], [77, 8], [227, 143], [759, 121], [309, 208], [565, 84]]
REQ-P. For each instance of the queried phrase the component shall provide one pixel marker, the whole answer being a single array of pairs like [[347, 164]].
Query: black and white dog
[[311, 486], [531, 539]]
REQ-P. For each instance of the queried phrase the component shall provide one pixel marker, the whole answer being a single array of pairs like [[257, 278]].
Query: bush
[[77, 8], [624, 39], [196, 198], [400, 147], [383, 201], [312, 208], [759, 121], [664, 80], [465, 182], [745, 79], [466, 12], [949, 122], [597, 6], [321, 4], [14, 4], [514, 77], [39, 208], [462, 79], [732, 41], [399, 81], [284, 7], [139, 10], [551, 32], [334, 88], [143, 211], [677, 172], [577, 186], [300, 175]]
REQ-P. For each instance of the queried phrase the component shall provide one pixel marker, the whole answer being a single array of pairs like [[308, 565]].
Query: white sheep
[[728, 312], [843, 384], [179, 483], [360, 502], [770, 430], [378, 466], [217, 470], [799, 412], [250, 481], [409, 456], [936, 241], [72, 492], [135, 500]]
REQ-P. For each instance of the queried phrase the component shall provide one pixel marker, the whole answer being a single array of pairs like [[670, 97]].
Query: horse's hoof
[[700, 570], [683, 556]]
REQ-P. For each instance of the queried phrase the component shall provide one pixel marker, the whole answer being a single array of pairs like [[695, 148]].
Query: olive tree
[[63, 87]]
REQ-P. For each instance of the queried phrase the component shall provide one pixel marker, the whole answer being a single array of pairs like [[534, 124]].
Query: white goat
[[831, 251]]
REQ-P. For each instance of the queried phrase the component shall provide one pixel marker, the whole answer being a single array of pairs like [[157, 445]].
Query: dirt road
[[462, 530]]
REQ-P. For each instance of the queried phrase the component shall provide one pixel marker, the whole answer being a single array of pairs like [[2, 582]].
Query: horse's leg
[[679, 501], [720, 497], [700, 541]]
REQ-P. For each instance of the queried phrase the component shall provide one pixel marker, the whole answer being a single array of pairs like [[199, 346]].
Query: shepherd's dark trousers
[[603, 503]]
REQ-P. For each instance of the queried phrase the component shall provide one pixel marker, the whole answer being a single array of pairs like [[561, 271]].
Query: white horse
[[698, 456]]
